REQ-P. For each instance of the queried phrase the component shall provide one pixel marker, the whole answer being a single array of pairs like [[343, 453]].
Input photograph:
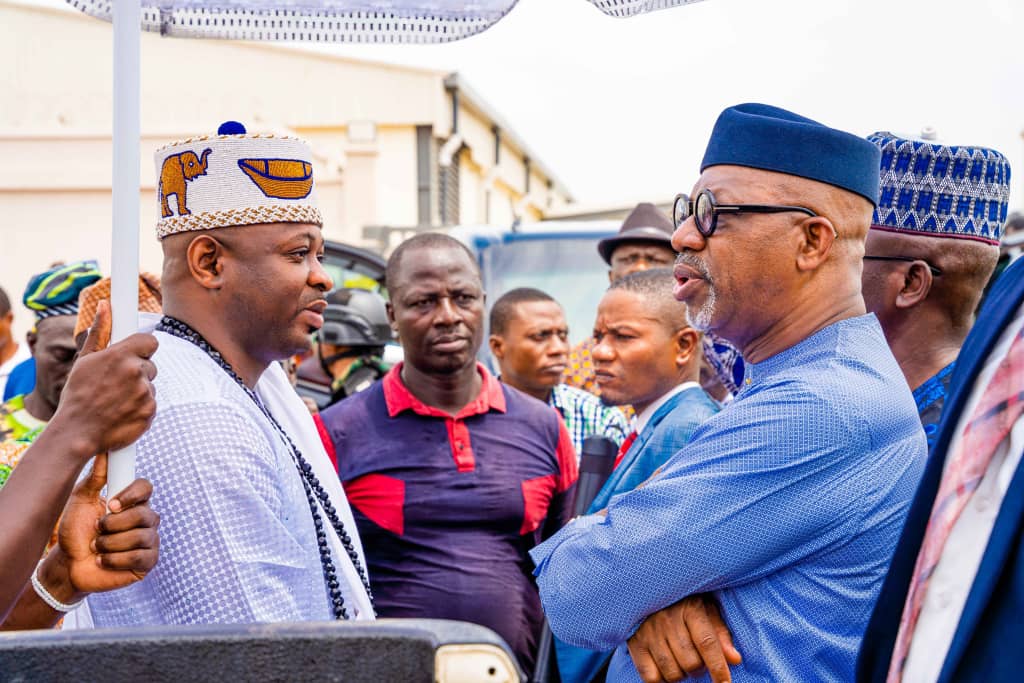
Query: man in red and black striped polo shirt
[[452, 476]]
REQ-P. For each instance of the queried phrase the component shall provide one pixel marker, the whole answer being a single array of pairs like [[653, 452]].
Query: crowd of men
[[813, 372]]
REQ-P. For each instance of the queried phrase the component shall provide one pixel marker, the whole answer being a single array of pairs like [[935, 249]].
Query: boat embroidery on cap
[[280, 178]]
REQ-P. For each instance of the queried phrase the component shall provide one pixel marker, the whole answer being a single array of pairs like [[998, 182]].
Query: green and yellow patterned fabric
[[18, 430]]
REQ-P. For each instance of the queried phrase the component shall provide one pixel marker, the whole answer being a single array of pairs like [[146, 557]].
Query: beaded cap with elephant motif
[[234, 178]]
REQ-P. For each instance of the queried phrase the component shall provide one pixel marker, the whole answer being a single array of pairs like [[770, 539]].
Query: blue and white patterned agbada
[[237, 543], [940, 190], [787, 505]]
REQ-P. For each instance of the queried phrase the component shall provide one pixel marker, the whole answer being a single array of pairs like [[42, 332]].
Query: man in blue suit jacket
[[984, 643], [647, 356]]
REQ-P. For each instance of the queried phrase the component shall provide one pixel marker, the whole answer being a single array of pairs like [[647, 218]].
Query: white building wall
[[55, 133], [396, 177]]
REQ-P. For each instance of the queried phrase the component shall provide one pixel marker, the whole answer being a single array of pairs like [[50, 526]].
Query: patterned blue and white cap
[[928, 188]]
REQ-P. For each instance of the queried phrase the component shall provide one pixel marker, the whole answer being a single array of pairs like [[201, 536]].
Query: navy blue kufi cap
[[928, 188], [55, 291], [773, 139]]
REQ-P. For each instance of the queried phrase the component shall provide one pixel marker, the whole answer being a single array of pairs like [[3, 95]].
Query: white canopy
[[351, 21]]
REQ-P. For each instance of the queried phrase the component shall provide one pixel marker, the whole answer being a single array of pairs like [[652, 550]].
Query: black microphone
[[597, 459]]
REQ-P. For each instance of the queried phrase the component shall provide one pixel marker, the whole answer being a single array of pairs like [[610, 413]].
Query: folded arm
[[729, 508]]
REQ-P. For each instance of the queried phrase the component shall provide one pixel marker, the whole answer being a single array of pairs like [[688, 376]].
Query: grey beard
[[701, 321]]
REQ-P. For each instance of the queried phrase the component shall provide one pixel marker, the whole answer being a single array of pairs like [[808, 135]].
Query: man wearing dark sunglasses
[[785, 507], [933, 244]]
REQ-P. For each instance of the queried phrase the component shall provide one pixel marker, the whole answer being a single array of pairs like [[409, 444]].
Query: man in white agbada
[[255, 525]]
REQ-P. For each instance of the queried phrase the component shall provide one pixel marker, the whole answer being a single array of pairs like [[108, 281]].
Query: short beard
[[701, 321]]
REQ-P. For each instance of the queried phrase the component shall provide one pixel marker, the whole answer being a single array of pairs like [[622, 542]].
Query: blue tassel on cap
[[231, 128]]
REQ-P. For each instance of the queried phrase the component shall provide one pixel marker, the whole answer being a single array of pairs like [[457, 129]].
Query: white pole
[[124, 270]]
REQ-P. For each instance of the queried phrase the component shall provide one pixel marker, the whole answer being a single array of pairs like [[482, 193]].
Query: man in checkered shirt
[[529, 339]]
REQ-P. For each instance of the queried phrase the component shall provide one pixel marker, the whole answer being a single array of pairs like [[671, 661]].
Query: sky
[[620, 109]]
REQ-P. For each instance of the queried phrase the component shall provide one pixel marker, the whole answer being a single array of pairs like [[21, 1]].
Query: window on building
[[448, 196]]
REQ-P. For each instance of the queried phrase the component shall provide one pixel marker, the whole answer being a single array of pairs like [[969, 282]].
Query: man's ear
[[497, 345], [916, 285], [818, 236], [687, 346], [391, 316], [205, 258], [31, 339], [391, 320]]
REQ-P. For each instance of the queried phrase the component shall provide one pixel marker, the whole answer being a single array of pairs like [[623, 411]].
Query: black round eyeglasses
[[705, 210]]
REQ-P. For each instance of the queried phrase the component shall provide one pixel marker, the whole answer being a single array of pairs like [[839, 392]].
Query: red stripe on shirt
[[380, 498], [568, 469], [326, 438]]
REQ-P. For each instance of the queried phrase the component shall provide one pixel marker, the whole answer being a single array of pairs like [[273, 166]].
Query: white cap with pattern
[[234, 178]]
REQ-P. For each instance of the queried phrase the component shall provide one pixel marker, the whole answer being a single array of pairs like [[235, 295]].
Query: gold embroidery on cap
[[176, 171]]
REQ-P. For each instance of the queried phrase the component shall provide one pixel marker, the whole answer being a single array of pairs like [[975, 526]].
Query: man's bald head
[[419, 243], [436, 306], [898, 291]]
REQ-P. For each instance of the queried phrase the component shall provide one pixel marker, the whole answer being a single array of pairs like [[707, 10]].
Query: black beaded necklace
[[314, 490]]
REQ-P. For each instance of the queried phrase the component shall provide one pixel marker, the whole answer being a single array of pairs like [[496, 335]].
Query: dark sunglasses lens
[[704, 212], [680, 210]]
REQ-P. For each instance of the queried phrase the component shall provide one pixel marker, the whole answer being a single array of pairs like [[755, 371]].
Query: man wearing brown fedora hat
[[643, 241]]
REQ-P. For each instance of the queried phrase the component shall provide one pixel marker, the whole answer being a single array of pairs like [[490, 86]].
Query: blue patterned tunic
[[930, 397], [787, 505]]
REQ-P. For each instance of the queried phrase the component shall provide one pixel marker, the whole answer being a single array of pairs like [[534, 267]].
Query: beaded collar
[[315, 492]]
